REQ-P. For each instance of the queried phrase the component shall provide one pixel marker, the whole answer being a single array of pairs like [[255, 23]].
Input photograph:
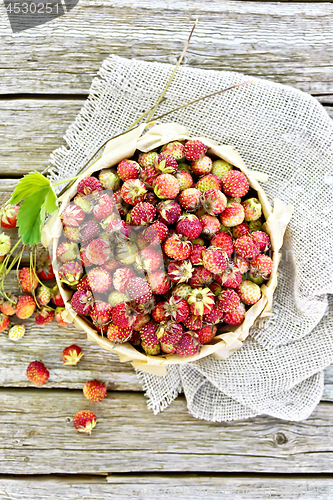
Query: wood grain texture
[[37, 436], [166, 486], [289, 43], [30, 129]]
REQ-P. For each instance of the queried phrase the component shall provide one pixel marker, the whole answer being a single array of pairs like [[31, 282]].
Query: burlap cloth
[[278, 131]]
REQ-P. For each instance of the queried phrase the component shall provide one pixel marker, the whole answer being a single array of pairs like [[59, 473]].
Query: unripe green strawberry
[[252, 209], [182, 290], [209, 181], [5, 244], [147, 159], [249, 292], [117, 298], [175, 149], [185, 179], [43, 295], [16, 332], [109, 179], [220, 168]]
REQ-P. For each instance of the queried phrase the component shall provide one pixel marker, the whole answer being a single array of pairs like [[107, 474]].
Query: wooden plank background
[[45, 75]]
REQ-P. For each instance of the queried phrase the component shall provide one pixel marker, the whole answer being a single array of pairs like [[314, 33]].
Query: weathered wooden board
[[37, 436], [167, 486], [30, 129], [286, 42]]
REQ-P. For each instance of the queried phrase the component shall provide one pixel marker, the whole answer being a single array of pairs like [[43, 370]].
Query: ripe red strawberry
[[236, 316], [84, 421], [210, 225], [206, 334], [252, 209], [214, 201], [169, 211], [25, 307], [231, 276], [249, 292], [142, 214], [89, 185], [72, 216], [149, 341], [197, 254], [200, 277], [71, 273], [120, 204], [176, 309], [72, 233], [175, 149], [156, 233], [194, 150], [228, 300], [189, 199], [180, 271], [188, 345], [246, 247], [242, 264], [66, 251], [133, 191], [166, 186], [169, 334], [158, 313], [71, 355], [262, 239], [94, 391], [61, 317], [240, 230], [185, 179], [235, 184], [224, 241], [4, 322], [117, 334], [139, 290], [233, 215], [101, 313], [82, 301], [8, 307], [45, 269], [202, 166], [190, 226], [193, 322], [103, 206], [109, 179], [44, 316], [150, 259], [177, 247], [149, 175], [99, 280], [121, 278], [37, 373], [215, 287], [43, 295], [119, 229], [128, 169], [56, 298], [215, 260], [124, 315], [151, 198], [9, 216], [89, 231], [159, 282], [261, 266], [27, 280], [201, 301], [98, 252], [209, 181], [165, 164], [215, 315], [140, 321]]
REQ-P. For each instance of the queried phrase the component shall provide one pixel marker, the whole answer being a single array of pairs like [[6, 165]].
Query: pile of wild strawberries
[[38, 299], [163, 248]]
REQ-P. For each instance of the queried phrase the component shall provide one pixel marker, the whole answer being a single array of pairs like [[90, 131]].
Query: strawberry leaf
[[28, 185], [50, 204]]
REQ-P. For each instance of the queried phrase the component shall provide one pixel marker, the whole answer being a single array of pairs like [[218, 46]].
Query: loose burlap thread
[[281, 132]]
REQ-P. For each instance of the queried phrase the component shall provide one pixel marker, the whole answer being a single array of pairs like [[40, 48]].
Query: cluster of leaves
[[39, 199]]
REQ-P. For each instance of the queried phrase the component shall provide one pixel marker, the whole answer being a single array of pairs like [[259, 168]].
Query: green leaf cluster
[[38, 199]]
